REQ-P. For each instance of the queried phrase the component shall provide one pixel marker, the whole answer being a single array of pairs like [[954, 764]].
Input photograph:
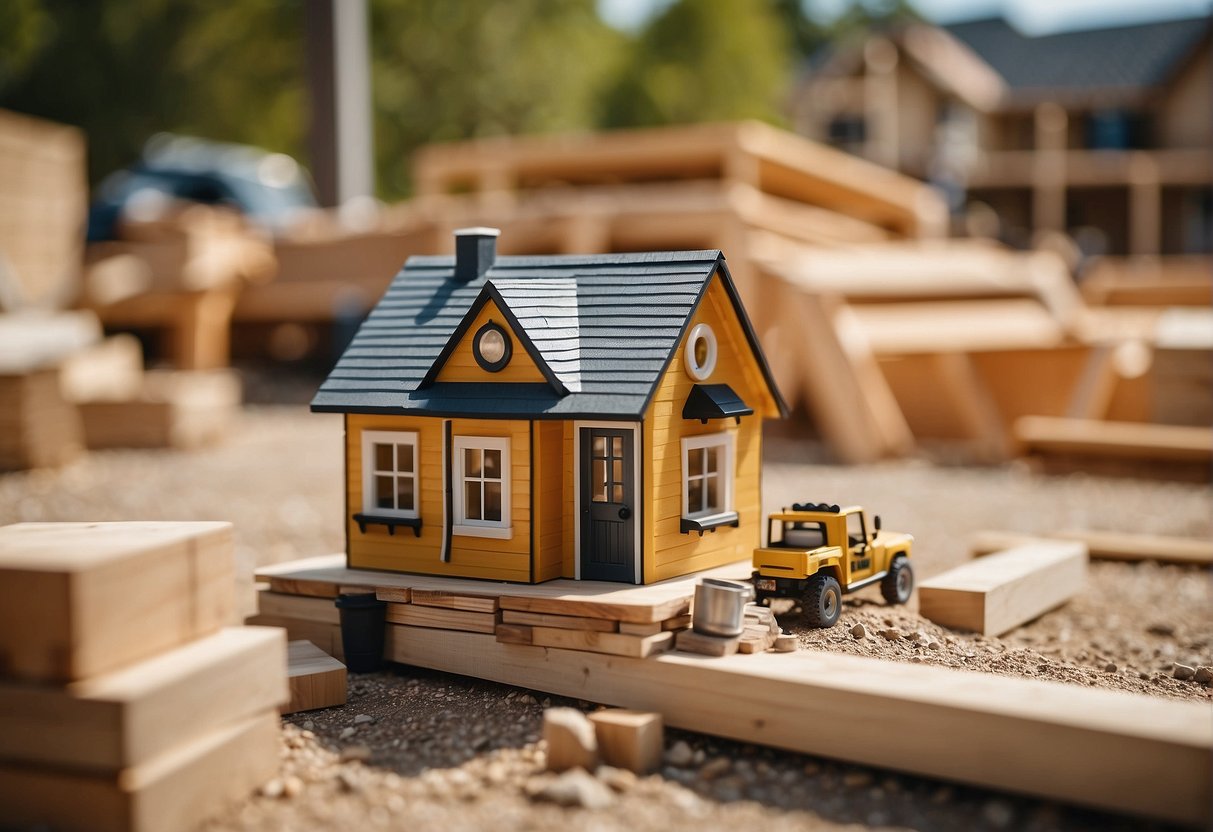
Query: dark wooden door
[[608, 505]]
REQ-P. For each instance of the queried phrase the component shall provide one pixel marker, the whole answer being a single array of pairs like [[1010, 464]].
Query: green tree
[[445, 71], [703, 60], [809, 34], [126, 69]]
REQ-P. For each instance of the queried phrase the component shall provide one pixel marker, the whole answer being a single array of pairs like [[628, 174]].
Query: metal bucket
[[720, 607]]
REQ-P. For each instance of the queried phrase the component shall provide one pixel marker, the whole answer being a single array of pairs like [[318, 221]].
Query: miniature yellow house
[[530, 418]]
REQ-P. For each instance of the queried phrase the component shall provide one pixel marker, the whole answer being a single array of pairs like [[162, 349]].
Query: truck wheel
[[899, 582], [822, 601]]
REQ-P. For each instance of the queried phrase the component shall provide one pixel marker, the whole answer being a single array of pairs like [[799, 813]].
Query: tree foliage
[[703, 60], [442, 70]]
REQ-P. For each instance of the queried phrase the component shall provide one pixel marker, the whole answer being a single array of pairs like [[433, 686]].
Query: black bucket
[[362, 628]]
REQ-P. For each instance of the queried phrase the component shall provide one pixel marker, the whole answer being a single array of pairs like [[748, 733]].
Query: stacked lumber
[[760, 632], [39, 425], [169, 409], [43, 205], [126, 700]]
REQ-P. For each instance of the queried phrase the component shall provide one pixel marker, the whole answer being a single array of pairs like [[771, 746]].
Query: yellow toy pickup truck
[[825, 550]]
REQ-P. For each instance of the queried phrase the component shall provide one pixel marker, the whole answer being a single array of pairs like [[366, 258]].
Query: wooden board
[[1105, 545], [627, 739], [689, 641], [38, 427], [317, 680], [514, 634], [174, 409], [1052, 740], [110, 369], [127, 717], [171, 793], [650, 629], [591, 599], [80, 599], [563, 622], [614, 644], [1121, 440], [442, 619], [449, 600], [998, 593], [320, 610]]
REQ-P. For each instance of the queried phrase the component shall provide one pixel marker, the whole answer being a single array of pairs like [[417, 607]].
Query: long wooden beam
[[1114, 751], [1107, 545]]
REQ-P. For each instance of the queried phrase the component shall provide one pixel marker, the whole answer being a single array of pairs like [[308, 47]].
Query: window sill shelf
[[364, 520], [709, 524], [498, 533]]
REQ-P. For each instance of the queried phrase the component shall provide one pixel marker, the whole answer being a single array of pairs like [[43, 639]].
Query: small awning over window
[[714, 401]]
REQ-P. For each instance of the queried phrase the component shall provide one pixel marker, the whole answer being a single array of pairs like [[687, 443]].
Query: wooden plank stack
[[126, 700], [170, 409]]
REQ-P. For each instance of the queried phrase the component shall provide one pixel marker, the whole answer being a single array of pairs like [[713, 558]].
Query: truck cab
[[816, 552]]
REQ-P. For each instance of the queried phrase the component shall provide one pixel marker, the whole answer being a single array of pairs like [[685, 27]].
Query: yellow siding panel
[[461, 364], [669, 552], [472, 557]]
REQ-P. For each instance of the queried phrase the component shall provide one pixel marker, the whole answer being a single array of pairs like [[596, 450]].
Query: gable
[[460, 364]]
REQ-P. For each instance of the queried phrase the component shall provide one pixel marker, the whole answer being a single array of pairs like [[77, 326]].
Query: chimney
[[475, 251]]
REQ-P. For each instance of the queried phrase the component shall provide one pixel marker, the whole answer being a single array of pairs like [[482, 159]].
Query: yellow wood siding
[[461, 364], [667, 551], [569, 561], [549, 500], [473, 557]]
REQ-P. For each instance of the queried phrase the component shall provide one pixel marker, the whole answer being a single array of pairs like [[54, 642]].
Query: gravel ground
[[417, 749]]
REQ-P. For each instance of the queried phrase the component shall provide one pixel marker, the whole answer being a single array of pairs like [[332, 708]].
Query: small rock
[[363, 719], [998, 813], [355, 753], [1183, 672], [292, 787], [577, 788], [309, 725], [1160, 628], [349, 782], [714, 768], [618, 779], [934, 645], [1110, 668], [859, 631], [571, 740], [943, 795], [857, 779], [811, 769], [347, 733], [915, 659], [1203, 674], [891, 634], [273, 789], [914, 636], [679, 755]]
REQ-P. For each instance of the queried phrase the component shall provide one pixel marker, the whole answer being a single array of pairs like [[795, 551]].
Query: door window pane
[[598, 483]]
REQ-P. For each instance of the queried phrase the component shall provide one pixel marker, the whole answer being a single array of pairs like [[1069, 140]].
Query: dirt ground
[[416, 749]]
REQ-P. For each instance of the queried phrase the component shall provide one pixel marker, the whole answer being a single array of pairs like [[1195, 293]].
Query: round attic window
[[492, 347], [700, 353]]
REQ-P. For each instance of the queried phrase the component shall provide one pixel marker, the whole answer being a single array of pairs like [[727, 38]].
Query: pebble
[[347, 733], [679, 755], [934, 645], [1161, 629], [272, 789], [292, 787], [891, 634], [618, 779], [358, 753], [1110, 668], [857, 779], [998, 813], [363, 719], [715, 767], [1204, 675], [577, 788], [859, 631], [1183, 672]]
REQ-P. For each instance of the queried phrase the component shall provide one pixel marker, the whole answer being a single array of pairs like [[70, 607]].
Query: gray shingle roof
[[1122, 57], [606, 326]]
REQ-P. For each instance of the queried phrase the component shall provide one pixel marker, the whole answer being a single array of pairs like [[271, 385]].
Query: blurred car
[[270, 189]]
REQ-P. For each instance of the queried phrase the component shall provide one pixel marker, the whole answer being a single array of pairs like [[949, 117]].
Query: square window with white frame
[[482, 486], [707, 475], [389, 473]]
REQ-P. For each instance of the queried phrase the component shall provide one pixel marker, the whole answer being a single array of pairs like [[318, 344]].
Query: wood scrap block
[[690, 641], [560, 622], [678, 622], [998, 593], [80, 599], [316, 679], [756, 638], [393, 595], [325, 636], [647, 629], [785, 643], [179, 409], [571, 739], [110, 369], [450, 600], [312, 589], [170, 793], [615, 644], [442, 619], [127, 717], [38, 427], [321, 610], [629, 739], [514, 634]]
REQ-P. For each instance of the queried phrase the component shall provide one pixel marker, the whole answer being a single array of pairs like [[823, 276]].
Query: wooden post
[[1049, 169], [880, 102], [1145, 206]]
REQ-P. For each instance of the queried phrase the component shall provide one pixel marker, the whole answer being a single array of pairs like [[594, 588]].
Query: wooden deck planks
[[1085, 746]]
